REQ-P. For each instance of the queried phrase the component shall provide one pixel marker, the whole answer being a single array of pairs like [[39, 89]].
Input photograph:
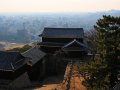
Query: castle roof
[[62, 33], [10, 61]]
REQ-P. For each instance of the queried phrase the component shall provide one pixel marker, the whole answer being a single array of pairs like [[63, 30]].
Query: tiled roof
[[35, 54], [75, 46], [63, 33], [10, 61], [75, 42]]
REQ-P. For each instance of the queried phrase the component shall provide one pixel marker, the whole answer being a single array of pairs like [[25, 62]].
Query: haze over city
[[58, 5], [59, 44]]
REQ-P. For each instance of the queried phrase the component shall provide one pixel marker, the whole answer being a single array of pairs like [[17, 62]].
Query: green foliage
[[97, 78], [103, 70], [23, 49], [108, 35]]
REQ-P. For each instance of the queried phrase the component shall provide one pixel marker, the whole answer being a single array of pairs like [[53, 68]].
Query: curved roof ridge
[[75, 41]]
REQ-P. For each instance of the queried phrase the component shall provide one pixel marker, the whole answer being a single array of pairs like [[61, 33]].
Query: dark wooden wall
[[37, 71], [49, 49], [61, 40]]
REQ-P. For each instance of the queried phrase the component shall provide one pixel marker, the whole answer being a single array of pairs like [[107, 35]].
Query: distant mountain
[[34, 23]]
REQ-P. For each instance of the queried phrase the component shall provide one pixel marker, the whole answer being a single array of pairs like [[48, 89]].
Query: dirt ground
[[75, 81], [56, 82], [49, 83], [76, 84]]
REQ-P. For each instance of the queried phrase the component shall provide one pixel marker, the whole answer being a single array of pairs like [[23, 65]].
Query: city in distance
[[25, 27]]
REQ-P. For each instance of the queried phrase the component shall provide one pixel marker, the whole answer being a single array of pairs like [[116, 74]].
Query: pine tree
[[103, 70], [108, 39]]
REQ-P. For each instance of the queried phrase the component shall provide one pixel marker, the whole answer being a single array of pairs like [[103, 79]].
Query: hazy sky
[[58, 5]]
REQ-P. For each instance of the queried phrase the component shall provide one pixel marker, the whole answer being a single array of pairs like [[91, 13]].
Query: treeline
[[104, 41], [21, 50]]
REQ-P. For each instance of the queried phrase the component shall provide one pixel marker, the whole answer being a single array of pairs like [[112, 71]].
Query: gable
[[74, 46], [35, 54], [75, 43]]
